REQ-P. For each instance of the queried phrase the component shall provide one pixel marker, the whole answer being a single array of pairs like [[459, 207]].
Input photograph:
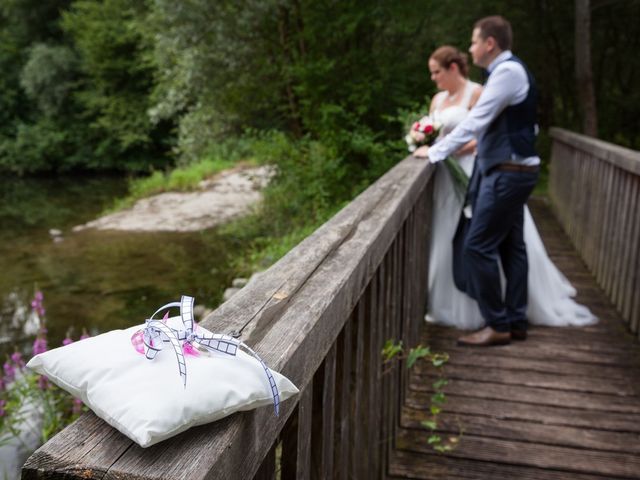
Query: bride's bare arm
[[470, 147]]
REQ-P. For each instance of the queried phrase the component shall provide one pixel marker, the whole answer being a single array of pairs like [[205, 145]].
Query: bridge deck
[[564, 404]]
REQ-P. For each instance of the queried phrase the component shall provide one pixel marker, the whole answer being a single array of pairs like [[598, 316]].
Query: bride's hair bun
[[446, 55]]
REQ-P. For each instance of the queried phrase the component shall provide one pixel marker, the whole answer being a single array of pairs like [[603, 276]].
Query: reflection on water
[[91, 279]]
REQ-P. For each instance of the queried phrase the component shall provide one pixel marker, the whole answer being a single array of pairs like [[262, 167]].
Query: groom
[[506, 169]]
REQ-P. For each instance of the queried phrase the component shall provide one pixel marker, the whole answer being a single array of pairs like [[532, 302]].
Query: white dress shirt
[[507, 85]]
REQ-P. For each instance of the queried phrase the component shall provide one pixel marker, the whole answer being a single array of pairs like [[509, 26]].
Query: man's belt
[[512, 167]]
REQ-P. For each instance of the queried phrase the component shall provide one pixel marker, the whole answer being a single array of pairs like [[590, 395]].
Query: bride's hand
[[422, 152]]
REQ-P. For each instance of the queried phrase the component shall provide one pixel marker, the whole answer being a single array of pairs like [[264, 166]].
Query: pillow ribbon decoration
[[151, 339]]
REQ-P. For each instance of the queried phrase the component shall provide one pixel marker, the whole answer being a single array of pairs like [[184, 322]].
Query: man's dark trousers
[[496, 233]]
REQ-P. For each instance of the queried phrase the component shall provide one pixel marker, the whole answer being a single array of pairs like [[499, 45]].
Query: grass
[[182, 179], [263, 247]]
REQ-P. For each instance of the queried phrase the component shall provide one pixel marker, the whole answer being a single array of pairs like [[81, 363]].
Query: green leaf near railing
[[417, 353]]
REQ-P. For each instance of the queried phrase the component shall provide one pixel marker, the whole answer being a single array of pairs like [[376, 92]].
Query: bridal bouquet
[[423, 132]]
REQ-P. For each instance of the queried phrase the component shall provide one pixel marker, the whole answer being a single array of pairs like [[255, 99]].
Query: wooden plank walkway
[[565, 404]]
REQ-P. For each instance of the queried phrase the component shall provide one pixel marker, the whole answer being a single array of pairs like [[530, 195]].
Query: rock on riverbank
[[229, 194]]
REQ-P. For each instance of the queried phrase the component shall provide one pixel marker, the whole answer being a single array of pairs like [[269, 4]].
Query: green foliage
[[430, 424], [440, 383], [225, 66], [417, 353], [55, 405], [314, 178], [118, 75], [136, 85], [180, 179], [48, 77], [260, 247], [23, 23], [188, 175], [393, 351], [78, 84], [41, 146]]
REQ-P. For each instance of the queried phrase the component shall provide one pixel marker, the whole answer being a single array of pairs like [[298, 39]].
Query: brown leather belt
[[512, 167]]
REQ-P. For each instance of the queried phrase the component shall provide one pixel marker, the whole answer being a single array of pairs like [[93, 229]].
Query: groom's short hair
[[497, 27]]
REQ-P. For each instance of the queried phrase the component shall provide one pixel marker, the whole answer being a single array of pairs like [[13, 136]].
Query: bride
[[550, 293]]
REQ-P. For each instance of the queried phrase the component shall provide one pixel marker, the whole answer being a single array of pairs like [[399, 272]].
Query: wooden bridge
[[565, 404]]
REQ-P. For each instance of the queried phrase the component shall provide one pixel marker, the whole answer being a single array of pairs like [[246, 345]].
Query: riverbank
[[229, 194]]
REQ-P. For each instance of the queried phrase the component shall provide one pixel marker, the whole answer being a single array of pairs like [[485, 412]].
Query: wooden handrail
[[616, 155], [320, 316], [595, 190]]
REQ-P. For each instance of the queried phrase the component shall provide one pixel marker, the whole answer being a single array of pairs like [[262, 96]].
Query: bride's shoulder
[[476, 90], [439, 97], [436, 100]]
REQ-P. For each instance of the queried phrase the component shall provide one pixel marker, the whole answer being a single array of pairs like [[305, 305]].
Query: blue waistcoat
[[512, 133]]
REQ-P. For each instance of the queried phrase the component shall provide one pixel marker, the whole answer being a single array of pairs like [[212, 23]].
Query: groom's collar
[[499, 59]]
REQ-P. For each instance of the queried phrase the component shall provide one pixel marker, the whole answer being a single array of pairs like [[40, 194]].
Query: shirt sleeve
[[503, 88]]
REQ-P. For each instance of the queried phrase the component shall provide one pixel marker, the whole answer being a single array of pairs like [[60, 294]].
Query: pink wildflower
[[40, 344], [36, 303], [16, 358], [9, 371], [3, 412], [76, 408], [43, 382]]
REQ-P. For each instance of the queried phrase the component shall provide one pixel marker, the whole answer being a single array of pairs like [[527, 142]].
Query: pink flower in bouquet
[[422, 132], [426, 128]]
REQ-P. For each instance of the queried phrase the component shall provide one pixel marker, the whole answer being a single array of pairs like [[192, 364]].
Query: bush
[[315, 177]]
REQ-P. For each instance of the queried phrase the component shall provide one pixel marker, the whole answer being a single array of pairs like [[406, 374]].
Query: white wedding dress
[[550, 299]]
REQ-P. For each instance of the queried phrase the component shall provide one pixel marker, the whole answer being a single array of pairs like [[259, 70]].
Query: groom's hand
[[422, 152]]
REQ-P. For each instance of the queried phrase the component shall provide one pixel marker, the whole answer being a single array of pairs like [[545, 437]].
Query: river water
[[93, 280]]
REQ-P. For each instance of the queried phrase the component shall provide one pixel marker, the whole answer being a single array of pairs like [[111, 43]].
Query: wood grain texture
[[563, 404], [408, 464], [595, 189], [328, 414], [303, 450], [616, 155], [343, 385], [267, 470]]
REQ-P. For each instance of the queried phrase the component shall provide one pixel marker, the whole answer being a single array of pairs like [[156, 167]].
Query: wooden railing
[[320, 316], [595, 190]]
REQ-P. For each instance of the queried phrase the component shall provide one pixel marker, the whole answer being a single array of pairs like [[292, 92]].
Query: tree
[[117, 68], [584, 76], [49, 77]]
